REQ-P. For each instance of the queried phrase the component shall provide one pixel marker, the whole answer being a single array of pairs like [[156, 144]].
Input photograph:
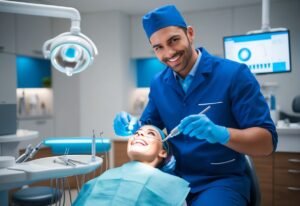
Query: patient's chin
[[137, 154], [137, 150]]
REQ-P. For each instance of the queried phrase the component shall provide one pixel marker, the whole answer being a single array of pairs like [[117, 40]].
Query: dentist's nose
[[170, 52]]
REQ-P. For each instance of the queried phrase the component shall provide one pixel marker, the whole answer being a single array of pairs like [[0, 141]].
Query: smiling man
[[210, 150]]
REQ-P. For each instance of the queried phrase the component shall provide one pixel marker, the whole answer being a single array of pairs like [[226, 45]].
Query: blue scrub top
[[236, 102]]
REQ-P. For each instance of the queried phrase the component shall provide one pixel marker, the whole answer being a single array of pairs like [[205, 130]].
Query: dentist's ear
[[191, 34]]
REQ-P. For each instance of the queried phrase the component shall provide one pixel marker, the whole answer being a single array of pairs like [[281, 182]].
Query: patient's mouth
[[140, 142]]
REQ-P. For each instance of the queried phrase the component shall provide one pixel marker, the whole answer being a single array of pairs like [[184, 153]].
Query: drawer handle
[[294, 160], [294, 188], [294, 171]]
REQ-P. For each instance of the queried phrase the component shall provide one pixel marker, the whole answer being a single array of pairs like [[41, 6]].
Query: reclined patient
[[138, 182]]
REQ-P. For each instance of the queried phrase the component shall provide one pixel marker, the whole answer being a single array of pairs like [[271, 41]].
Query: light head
[[70, 52]]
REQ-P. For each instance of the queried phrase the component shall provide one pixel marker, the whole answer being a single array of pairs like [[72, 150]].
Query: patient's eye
[[151, 133]]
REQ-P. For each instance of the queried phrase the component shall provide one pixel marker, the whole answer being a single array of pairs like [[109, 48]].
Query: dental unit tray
[[76, 145], [39, 168]]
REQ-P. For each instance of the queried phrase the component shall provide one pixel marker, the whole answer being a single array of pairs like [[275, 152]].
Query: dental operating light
[[70, 52]]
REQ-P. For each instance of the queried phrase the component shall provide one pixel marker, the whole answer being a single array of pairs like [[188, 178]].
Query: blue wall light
[[32, 71], [146, 69]]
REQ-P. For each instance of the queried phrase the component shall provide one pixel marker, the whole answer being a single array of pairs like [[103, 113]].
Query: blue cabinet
[[146, 69], [33, 72]]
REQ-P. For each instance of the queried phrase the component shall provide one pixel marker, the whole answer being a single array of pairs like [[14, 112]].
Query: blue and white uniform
[[236, 102]]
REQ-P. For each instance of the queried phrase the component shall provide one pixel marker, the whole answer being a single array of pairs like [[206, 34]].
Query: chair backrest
[[255, 196], [296, 104]]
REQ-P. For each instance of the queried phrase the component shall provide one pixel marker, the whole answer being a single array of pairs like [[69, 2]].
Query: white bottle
[[33, 105], [22, 105]]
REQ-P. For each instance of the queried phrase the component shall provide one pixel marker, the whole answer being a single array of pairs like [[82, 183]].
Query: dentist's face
[[174, 47], [145, 145]]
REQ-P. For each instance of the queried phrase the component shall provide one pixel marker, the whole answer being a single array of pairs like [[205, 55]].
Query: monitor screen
[[267, 52]]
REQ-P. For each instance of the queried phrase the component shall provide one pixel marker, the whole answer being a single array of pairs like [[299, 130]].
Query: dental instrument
[[174, 132], [93, 147], [131, 125], [70, 52], [35, 150], [64, 159], [25, 155], [68, 161], [29, 152]]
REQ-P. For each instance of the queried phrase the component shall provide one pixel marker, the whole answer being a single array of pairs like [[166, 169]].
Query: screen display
[[267, 52]]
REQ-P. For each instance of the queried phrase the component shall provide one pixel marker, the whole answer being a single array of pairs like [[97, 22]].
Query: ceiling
[[138, 7]]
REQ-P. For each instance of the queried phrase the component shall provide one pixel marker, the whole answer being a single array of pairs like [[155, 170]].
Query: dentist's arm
[[254, 141]]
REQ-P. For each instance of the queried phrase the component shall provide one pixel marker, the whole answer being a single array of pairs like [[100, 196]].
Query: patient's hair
[[168, 163]]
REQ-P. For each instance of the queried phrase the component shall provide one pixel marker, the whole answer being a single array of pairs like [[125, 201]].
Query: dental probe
[[174, 132]]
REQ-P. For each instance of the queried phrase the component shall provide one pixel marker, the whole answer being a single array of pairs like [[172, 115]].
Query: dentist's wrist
[[225, 135]]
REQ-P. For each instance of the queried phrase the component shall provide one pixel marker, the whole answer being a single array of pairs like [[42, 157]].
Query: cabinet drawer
[[120, 153], [287, 177], [286, 196], [287, 160], [264, 171]]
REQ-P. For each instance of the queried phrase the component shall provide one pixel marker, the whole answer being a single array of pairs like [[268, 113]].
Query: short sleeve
[[248, 104]]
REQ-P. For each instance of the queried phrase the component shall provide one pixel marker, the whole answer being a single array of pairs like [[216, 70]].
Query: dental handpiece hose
[[174, 132]]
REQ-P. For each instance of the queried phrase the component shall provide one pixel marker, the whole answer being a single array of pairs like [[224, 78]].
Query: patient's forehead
[[149, 128]]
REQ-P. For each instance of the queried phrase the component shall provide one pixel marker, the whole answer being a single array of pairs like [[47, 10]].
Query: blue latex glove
[[201, 127], [125, 124]]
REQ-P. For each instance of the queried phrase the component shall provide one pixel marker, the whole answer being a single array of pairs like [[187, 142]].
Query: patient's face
[[146, 146]]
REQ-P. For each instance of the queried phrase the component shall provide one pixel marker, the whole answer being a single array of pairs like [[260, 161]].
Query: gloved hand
[[125, 124], [201, 127]]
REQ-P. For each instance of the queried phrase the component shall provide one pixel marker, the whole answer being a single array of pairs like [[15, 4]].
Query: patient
[[138, 182]]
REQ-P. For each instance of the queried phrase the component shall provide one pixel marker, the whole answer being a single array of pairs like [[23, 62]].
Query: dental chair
[[255, 195], [296, 104], [296, 108]]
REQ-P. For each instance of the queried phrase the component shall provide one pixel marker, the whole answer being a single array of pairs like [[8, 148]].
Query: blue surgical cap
[[162, 17], [163, 136]]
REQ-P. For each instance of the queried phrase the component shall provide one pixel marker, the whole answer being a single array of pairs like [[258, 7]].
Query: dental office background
[[74, 106]]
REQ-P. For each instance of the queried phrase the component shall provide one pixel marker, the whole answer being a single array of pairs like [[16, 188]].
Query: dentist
[[210, 150]]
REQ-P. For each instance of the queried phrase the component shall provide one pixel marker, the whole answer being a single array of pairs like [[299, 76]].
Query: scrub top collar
[[203, 65]]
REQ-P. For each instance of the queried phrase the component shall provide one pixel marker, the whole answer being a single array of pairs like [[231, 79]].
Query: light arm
[[43, 10], [70, 52]]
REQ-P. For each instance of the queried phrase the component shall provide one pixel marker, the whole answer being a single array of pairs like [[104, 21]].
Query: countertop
[[21, 135]]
